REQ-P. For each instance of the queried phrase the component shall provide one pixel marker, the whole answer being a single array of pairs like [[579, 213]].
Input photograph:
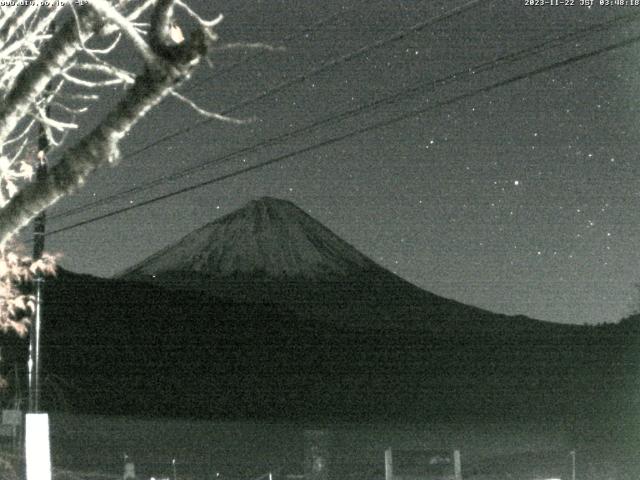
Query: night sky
[[521, 199]]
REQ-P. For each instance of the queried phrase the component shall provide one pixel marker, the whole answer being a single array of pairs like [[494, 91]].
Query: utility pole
[[38, 248], [37, 448]]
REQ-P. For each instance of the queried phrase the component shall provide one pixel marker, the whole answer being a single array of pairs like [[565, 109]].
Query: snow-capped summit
[[268, 237]]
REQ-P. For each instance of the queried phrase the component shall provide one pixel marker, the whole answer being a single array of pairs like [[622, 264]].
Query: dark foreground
[[92, 446]]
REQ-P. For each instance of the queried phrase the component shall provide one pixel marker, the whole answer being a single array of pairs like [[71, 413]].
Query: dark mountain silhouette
[[265, 313]]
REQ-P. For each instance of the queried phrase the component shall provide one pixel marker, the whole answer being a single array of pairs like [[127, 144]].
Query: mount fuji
[[268, 239], [271, 251]]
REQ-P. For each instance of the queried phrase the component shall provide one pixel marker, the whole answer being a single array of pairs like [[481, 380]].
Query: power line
[[458, 75], [314, 71], [324, 66], [381, 124]]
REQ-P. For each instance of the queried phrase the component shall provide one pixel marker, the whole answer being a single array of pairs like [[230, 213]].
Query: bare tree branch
[[110, 12], [100, 146], [39, 69], [206, 113], [251, 46], [14, 23], [32, 81]]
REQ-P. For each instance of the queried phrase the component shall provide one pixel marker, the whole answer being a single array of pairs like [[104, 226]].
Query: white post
[[388, 464], [573, 464], [129, 469], [36, 446], [457, 465]]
